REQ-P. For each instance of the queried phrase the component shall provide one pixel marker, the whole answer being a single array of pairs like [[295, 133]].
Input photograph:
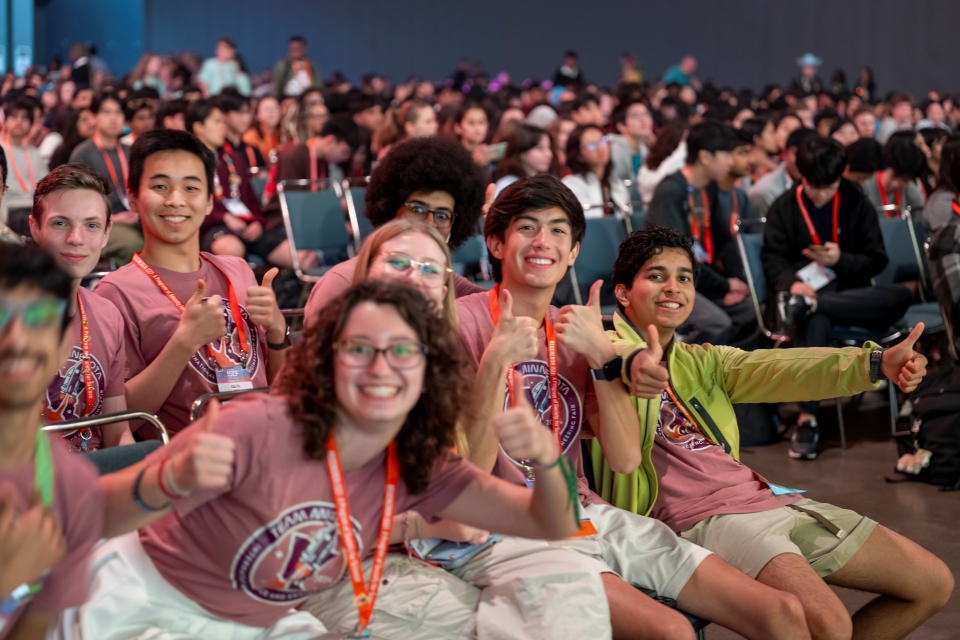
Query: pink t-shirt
[[67, 394], [698, 479], [150, 319], [577, 399], [266, 542], [79, 505], [339, 278]]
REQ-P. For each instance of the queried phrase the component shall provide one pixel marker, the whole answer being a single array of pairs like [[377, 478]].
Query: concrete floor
[[854, 478]]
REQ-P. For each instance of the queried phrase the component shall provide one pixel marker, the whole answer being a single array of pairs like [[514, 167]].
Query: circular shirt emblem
[[226, 351], [536, 386], [67, 394]]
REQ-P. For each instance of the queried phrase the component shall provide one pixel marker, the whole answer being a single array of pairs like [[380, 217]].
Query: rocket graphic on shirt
[[674, 428], [226, 352]]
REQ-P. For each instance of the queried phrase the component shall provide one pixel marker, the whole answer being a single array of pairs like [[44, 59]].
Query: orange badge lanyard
[[955, 206], [16, 168], [364, 596], [806, 217], [734, 213], [231, 296], [314, 171], [686, 414], [109, 163], [552, 366], [883, 196], [694, 224], [85, 358]]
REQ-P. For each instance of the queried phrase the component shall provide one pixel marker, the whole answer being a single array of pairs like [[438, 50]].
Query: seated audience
[[342, 421], [296, 73], [821, 247], [900, 118], [237, 115], [529, 152], [26, 167], [51, 508], [896, 183], [688, 201], [585, 110], [560, 129], [471, 126], [940, 208], [591, 178], [933, 140], [763, 154], [195, 322], [631, 144], [71, 221], [864, 159], [412, 119], [264, 135], [139, 112], [171, 115], [667, 155], [692, 477], [771, 186], [562, 363], [844, 132], [147, 74], [367, 113], [866, 122], [431, 179]]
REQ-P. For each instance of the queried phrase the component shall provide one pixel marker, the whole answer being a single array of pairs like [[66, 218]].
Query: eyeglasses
[[593, 146], [36, 314], [442, 218], [433, 273], [402, 355]]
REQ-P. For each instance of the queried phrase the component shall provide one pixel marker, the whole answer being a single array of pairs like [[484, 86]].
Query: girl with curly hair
[[250, 507]]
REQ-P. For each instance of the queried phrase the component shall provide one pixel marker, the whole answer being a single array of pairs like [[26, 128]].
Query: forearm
[[486, 402], [617, 426], [554, 513], [149, 389], [275, 360], [118, 433], [122, 514], [32, 625]]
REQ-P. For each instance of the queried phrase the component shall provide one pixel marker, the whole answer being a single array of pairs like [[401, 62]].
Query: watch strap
[[282, 345], [876, 363]]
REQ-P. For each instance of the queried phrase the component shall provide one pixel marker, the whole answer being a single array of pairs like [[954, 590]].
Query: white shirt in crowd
[[648, 178], [587, 188]]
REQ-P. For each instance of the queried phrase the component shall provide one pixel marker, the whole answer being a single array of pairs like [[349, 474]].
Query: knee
[[228, 245], [672, 627], [833, 623], [786, 616], [936, 587]]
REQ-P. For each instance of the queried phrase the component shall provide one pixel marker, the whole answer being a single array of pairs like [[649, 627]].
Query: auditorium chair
[[117, 458], [598, 253], [197, 408], [470, 261], [356, 194], [314, 220]]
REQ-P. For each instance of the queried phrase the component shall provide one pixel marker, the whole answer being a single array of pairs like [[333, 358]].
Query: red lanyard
[[231, 296], [251, 158], [303, 67], [883, 196], [16, 169], [312, 148], [552, 367], [734, 212], [109, 163], [806, 217], [364, 596], [695, 225], [956, 207], [686, 414], [85, 358]]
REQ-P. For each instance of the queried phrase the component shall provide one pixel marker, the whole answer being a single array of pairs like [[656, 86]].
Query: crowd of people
[[436, 458]]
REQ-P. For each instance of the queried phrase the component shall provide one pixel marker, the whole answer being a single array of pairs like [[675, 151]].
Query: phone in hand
[[497, 151]]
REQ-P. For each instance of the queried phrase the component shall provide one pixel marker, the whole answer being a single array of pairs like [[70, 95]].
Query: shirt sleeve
[[463, 287], [327, 289], [135, 362], [118, 359]]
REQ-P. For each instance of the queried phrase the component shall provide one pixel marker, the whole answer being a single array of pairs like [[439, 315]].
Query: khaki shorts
[[748, 541]]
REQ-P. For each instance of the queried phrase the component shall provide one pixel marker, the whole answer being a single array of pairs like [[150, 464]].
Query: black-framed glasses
[[442, 218], [433, 273], [35, 314], [400, 355]]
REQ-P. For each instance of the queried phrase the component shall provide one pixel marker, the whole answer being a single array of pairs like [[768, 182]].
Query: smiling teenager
[[693, 480], [238, 523], [195, 322], [571, 376], [71, 221]]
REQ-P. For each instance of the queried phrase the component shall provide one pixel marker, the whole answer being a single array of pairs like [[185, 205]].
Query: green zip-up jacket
[[708, 381]]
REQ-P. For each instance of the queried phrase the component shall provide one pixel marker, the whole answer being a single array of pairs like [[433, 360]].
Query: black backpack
[[933, 423]]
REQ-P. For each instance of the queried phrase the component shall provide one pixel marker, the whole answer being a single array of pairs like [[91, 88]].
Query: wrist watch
[[282, 345], [876, 362], [610, 371]]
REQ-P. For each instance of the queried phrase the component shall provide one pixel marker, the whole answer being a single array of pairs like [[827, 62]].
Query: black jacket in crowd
[[670, 208], [785, 235]]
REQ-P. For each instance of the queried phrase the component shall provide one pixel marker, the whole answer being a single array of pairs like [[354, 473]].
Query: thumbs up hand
[[902, 365], [263, 308], [648, 377], [202, 320], [515, 338], [521, 434], [580, 329], [206, 462]]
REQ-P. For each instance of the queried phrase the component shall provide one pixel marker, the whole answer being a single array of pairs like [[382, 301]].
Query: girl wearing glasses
[[280, 497], [588, 157]]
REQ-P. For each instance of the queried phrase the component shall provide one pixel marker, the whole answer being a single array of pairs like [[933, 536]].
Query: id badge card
[[782, 491], [237, 208], [698, 252], [235, 378], [816, 275]]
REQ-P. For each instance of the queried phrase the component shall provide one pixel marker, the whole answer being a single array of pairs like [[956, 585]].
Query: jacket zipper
[[715, 431]]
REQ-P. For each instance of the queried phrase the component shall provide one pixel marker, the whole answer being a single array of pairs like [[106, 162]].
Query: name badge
[[235, 378], [816, 275], [237, 208], [698, 252], [782, 491]]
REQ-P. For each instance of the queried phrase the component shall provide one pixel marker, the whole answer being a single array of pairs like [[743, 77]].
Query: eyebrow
[[163, 176], [564, 220], [428, 206], [660, 268], [87, 219]]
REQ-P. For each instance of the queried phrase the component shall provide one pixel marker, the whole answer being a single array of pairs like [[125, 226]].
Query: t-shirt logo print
[[536, 386], [226, 351], [676, 429], [67, 394], [296, 554]]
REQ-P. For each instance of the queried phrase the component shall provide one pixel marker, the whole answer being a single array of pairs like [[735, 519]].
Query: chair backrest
[[358, 196], [898, 243], [598, 251], [471, 252], [112, 418], [753, 266], [637, 220], [315, 220], [259, 186]]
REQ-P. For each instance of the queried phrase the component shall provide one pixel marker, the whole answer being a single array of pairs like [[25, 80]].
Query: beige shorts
[[748, 541]]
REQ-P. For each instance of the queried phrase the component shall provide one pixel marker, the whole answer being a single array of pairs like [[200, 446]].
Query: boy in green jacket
[[691, 477]]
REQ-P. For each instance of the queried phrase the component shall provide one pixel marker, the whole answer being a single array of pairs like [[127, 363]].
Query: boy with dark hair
[[688, 201], [139, 110], [771, 186], [296, 73], [693, 480], [71, 221], [864, 159], [630, 145], [586, 110], [195, 322], [896, 184], [900, 118], [52, 507], [763, 154], [570, 374], [821, 247], [26, 164], [238, 115], [171, 115]]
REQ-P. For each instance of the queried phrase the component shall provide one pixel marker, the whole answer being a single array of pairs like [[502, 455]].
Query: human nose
[[74, 236], [379, 364]]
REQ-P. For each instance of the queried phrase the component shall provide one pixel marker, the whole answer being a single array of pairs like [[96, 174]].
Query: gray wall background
[[911, 45]]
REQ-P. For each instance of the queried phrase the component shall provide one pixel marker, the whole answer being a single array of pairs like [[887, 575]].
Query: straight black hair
[[821, 161], [159, 140]]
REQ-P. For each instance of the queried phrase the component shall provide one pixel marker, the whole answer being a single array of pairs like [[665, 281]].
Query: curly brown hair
[[428, 432]]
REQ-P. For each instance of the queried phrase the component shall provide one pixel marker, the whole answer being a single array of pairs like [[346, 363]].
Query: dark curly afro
[[428, 164]]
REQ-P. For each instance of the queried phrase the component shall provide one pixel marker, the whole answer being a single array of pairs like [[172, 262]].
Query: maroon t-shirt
[[67, 394], [267, 541], [577, 399], [79, 506]]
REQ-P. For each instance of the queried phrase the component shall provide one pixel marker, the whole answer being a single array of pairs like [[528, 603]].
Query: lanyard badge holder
[[121, 193], [229, 378], [815, 274], [234, 205], [703, 252]]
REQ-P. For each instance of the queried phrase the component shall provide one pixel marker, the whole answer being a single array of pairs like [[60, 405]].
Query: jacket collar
[[626, 329]]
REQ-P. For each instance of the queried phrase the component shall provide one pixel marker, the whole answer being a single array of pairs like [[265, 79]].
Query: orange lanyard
[[231, 296], [956, 207], [109, 163], [251, 157], [883, 196], [16, 169], [695, 226], [85, 358], [303, 66], [734, 212], [364, 596], [314, 170], [552, 366], [686, 414], [806, 217]]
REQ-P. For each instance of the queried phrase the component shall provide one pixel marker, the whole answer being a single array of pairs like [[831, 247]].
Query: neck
[[106, 140], [934, 165], [598, 171], [209, 146], [17, 435], [16, 141], [634, 143], [887, 177], [469, 145], [665, 333], [762, 159], [726, 182], [183, 257], [234, 138], [696, 175], [357, 445], [533, 302], [74, 287]]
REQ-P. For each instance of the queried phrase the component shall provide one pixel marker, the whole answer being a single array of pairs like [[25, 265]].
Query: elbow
[[625, 462], [561, 530]]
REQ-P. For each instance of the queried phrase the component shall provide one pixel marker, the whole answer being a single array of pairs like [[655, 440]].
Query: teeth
[[380, 392], [670, 305], [18, 365], [174, 219], [540, 261]]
